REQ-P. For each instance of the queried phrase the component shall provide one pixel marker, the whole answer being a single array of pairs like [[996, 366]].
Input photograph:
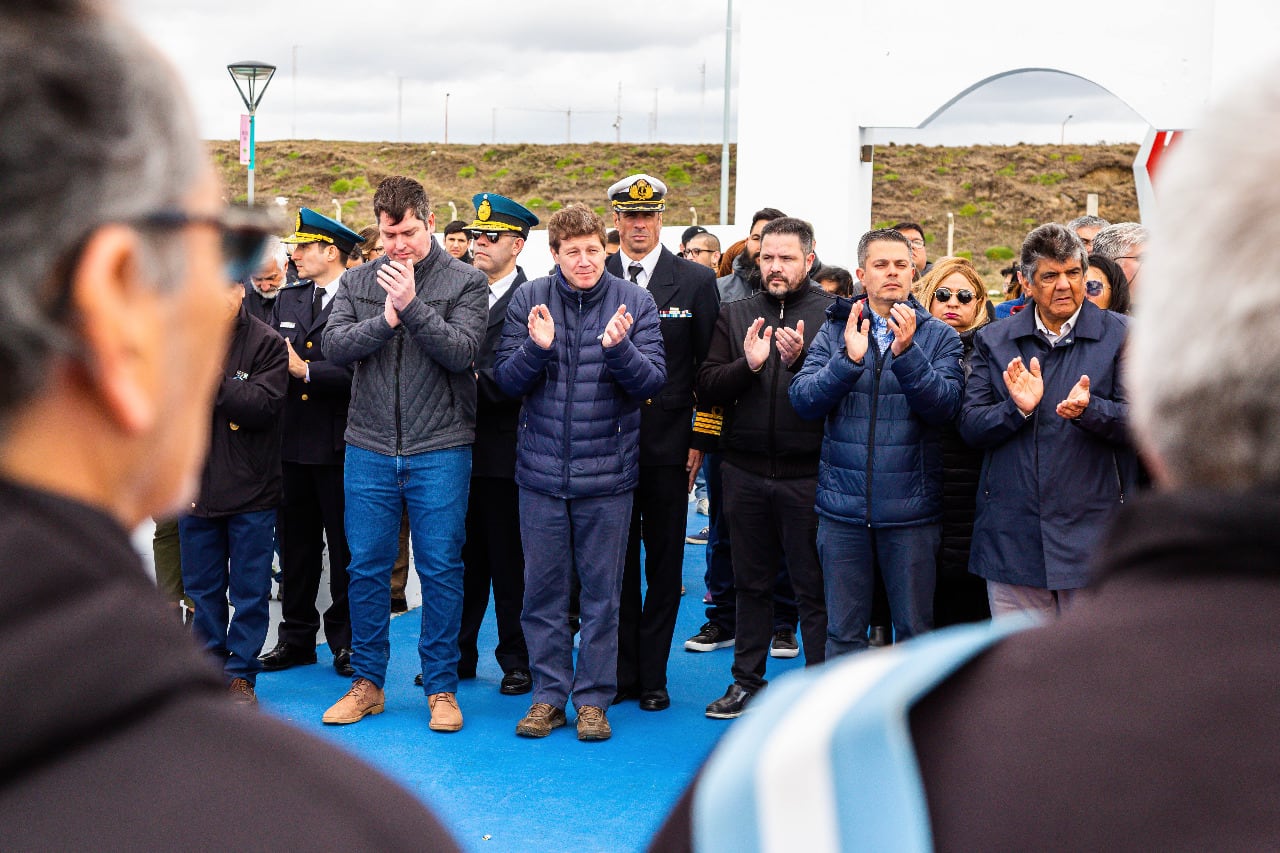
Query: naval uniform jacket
[[497, 414], [688, 303], [315, 412]]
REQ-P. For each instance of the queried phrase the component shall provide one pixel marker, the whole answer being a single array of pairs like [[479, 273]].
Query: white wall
[[855, 65]]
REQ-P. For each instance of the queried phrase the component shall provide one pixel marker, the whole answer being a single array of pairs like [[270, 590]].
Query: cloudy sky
[[386, 69]]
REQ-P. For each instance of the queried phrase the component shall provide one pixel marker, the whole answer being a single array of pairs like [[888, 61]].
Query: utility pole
[[446, 118], [293, 129], [568, 125], [702, 106], [399, 109], [653, 118], [724, 148], [494, 130], [617, 121]]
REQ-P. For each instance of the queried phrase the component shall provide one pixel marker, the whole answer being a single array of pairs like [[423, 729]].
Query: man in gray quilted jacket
[[411, 323]]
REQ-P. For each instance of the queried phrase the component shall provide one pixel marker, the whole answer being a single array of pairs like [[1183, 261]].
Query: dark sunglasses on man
[[491, 236], [944, 294]]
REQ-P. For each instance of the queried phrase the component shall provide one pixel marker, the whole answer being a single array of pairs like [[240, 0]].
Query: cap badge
[[641, 190], [483, 211]]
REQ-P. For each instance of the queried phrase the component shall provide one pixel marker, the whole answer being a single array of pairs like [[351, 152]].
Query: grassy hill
[[997, 193]]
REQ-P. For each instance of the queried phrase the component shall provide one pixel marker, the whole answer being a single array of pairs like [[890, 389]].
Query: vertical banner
[[245, 143]]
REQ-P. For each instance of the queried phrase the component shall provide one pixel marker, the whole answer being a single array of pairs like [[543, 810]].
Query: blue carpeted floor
[[497, 791]]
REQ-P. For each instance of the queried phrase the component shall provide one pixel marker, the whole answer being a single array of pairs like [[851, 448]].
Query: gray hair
[[274, 250], [1117, 241], [1051, 241], [92, 131], [1205, 375], [1087, 221]]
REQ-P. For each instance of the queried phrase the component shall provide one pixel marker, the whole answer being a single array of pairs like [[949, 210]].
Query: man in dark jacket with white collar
[[770, 455], [582, 348], [885, 375], [315, 420], [411, 322]]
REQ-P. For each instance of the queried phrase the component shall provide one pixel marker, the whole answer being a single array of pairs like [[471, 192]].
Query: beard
[[779, 286]]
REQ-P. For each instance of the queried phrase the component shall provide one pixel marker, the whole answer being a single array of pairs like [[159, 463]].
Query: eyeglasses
[[688, 252], [944, 294], [243, 230], [1093, 287], [244, 234], [916, 243], [1135, 258]]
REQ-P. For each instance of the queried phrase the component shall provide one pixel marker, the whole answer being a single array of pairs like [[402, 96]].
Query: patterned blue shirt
[[880, 330]]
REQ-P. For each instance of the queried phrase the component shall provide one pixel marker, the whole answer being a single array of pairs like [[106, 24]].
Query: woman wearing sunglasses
[[1106, 285], [953, 292]]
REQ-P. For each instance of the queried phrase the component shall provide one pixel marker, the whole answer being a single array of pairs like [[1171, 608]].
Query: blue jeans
[[908, 560], [433, 487], [230, 555]]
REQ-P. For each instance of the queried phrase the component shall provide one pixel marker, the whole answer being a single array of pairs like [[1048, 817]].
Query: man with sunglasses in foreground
[[115, 326]]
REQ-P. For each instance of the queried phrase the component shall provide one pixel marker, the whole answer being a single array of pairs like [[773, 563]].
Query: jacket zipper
[[874, 348], [773, 399], [1119, 482], [568, 409], [399, 433]]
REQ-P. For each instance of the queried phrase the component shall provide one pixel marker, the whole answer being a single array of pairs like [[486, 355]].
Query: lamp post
[[1062, 135], [251, 79]]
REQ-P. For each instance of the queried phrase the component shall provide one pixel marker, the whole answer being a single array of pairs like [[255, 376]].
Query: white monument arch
[[856, 66]]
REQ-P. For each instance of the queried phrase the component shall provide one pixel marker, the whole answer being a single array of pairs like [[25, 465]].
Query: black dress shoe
[[625, 694], [417, 680], [285, 656], [655, 700], [516, 682], [731, 704], [342, 663]]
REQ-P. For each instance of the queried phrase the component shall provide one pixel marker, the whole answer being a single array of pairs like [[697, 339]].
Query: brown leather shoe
[[362, 699], [592, 724], [242, 692], [540, 720], [445, 714]]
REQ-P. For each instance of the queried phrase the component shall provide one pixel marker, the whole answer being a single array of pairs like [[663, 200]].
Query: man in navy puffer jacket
[[886, 375], [583, 348]]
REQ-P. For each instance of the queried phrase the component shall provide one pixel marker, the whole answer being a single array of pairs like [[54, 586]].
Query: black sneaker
[[784, 644], [699, 538], [709, 638], [731, 704]]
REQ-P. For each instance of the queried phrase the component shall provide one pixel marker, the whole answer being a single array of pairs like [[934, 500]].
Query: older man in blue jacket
[[583, 348], [886, 375], [1046, 401]]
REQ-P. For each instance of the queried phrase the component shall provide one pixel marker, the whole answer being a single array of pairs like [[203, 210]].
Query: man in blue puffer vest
[[583, 349], [886, 375]]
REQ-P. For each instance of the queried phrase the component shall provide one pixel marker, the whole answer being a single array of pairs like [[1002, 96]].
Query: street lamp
[[253, 77], [1062, 135]]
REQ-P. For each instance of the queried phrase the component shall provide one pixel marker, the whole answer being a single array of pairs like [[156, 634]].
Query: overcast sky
[[381, 70]]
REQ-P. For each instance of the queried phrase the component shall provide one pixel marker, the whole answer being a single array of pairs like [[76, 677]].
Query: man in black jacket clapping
[[770, 455]]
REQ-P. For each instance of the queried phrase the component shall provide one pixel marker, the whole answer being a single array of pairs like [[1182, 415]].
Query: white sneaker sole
[[783, 653], [691, 646]]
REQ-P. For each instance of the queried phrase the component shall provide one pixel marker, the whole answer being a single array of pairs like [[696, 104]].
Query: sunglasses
[[1093, 287], [491, 236], [943, 294]]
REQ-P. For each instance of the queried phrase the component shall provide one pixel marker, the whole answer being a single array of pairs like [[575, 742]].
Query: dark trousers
[[311, 514], [645, 629], [230, 555], [492, 556], [907, 559], [587, 536], [773, 522], [723, 610], [166, 551]]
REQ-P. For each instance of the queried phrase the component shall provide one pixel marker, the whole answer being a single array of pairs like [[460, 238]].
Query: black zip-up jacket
[[242, 470], [762, 433]]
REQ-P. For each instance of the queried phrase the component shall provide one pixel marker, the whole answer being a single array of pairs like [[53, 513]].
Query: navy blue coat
[[1049, 486], [580, 423], [881, 449]]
